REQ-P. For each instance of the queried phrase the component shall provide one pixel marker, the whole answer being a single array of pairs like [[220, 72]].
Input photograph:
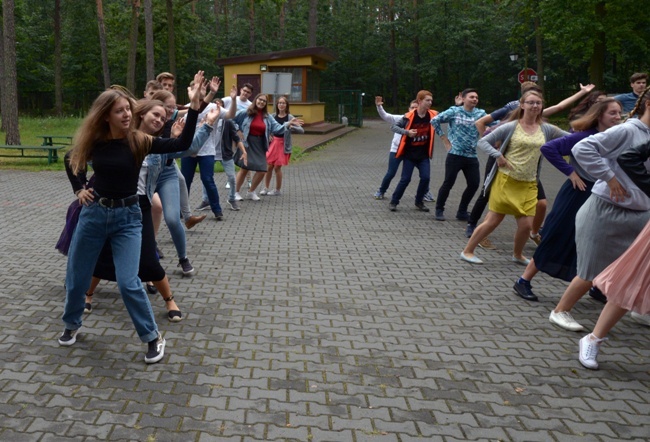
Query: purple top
[[555, 149]]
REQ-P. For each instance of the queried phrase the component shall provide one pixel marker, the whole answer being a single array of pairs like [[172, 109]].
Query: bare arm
[[233, 103], [564, 104], [482, 123]]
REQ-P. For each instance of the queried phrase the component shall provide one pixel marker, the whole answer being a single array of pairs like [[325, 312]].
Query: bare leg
[[269, 175], [531, 271], [257, 179], [94, 282], [166, 293], [491, 222], [540, 214], [156, 212], [572, 294], [241, 177], [524, 224], [278, 177], [608, 318]]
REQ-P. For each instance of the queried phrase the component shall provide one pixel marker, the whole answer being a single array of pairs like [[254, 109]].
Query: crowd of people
[[597, 236], [131, 146]]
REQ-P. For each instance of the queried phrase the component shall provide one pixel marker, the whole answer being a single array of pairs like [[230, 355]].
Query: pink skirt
[[626, 282], [275, 156]]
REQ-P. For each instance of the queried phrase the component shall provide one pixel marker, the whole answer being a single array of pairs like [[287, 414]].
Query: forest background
[[59, 54]]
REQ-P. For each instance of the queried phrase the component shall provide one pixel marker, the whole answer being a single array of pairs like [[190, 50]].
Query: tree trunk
[[10, 84], [539, 51], [2, 76], [392, 53], [597, 62], [251, 24], [133, 47], [102, 43], [217, 28], [417, 81], [148, 32], [171, 40], [283, 17], [313, 23], [58, 75]]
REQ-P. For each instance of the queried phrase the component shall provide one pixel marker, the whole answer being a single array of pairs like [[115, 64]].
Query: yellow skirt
[[511, 197]]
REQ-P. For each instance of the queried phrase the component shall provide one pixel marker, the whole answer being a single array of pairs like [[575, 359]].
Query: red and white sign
[[527, 75]]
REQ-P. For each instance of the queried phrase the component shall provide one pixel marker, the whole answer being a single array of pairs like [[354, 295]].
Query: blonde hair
[[590, 118], [518, 113], [95, 129]]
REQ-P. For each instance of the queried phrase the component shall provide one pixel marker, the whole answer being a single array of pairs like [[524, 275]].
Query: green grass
[[30, 129]]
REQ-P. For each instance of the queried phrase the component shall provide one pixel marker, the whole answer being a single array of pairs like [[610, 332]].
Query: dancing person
[[585, 104], [501, 114], [280, 148], [111, 211], [460, 143], [513, 179], [556, 253], [626, 282], [615, 212], [638, 83], [415, 149], [257, 127]]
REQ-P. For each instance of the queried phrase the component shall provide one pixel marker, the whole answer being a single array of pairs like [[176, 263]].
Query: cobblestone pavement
[[318, 315]]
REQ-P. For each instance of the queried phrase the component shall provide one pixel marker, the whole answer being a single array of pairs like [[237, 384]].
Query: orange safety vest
[[411, 116]]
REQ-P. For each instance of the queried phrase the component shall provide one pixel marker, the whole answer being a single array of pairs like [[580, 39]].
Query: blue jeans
[[123, 228], [424, 167], [169, 193], [453, 165], [229, 169], [393, 165], [206, 170]]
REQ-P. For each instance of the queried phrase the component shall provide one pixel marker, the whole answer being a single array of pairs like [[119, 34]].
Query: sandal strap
[[90, 295], [171, 298]]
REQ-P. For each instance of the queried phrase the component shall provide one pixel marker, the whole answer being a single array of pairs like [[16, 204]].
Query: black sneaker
[[156, 350], [392, 207], [421, 207], [462, 216], [186, 266], [440, 215], [524, 290], [234, 205], [218, 216], [68, 337], [205, 205], [597, 295], [469, 230]]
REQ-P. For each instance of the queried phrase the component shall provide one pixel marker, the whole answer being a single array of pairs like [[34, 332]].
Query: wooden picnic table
[[52, 152], [48, 140]]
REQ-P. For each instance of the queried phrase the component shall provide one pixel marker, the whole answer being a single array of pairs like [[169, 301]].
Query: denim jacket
[[288, 145], [272, 127], [156, 162]]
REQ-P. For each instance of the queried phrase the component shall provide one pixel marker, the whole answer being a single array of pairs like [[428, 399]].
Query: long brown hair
[[253, 110], [518, 113], [581, 108], [590, 119], [141, 108], [95, 129], [286, 100]]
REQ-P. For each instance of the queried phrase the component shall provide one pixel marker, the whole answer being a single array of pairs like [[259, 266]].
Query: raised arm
[[482, 123], [232, 110], [564, 104]]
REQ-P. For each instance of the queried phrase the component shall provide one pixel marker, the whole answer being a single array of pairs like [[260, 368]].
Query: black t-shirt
[[417, 148], [281, 120]]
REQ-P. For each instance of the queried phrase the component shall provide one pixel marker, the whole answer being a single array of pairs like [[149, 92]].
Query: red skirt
[[275, 156]]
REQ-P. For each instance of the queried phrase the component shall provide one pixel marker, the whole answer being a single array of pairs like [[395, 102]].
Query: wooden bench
[[52, 152], [48, 140]]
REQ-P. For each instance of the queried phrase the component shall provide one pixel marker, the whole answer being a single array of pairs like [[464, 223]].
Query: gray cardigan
[[503, 133]]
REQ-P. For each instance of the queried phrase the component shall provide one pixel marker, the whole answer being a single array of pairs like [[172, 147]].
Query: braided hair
[[641, 102]]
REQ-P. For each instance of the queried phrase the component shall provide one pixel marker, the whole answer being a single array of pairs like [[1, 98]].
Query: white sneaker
[[640, 319], [238, 197], [264, 191], [251, 196], [565, 320], [589, 346], [274, 192], [227, 185]]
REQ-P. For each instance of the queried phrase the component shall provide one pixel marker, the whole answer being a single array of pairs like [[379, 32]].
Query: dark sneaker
[[597, 295], [440, 215], [421, 207], [186, 266], [379, 195], [462, 216], [205, 205], [88, 307], [218, 216], [68, 337], [469, 230], [524, 290], [156, 350], [234, 205], [392, 207]]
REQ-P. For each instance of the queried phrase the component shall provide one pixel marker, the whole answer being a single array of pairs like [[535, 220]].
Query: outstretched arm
[[564, 104]]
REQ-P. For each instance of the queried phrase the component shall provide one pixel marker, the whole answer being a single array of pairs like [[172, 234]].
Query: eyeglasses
[[533, 103]]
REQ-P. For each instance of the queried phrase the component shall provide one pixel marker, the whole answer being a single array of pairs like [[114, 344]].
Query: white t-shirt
[[241, 105]]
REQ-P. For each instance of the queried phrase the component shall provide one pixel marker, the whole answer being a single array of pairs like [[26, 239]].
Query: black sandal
[[88, 307], [173, 315], [151, 288]]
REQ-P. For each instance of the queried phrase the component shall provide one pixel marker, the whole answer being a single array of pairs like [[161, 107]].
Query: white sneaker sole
[[161, 353], [576, 327]]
